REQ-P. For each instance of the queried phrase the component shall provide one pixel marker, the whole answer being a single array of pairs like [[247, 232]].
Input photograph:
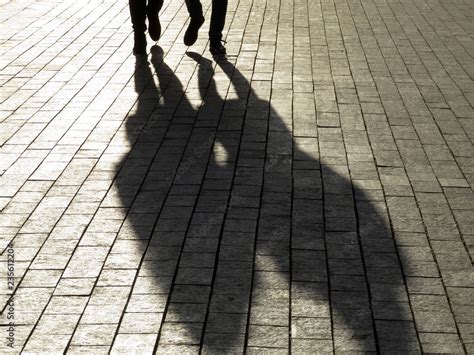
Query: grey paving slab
[[310, 193]]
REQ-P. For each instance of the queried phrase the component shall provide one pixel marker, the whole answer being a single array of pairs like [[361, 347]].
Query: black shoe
[[139, 47], [217, 48], [191, 33], [154, 26]]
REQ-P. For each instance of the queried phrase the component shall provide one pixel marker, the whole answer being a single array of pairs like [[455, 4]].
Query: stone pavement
[[311, 194]]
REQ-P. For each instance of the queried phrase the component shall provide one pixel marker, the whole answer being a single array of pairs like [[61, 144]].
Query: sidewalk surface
[[310, 194]]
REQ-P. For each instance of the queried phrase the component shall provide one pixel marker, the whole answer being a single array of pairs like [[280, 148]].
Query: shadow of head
[[242, 237]]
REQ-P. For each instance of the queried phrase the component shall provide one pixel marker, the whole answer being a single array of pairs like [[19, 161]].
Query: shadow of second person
[[247, 242]]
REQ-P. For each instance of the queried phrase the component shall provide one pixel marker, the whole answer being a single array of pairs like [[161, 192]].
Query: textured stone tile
[[313, 190], [94, 334], [141, 343]]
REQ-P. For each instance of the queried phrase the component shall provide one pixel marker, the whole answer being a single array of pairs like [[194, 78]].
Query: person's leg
[[219, 11], [197, 19], [138, 16], [155, 4], [152, 10], [194, 8]]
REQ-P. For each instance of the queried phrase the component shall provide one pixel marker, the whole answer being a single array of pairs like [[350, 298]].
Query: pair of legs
[[219, 10], [140, 9]]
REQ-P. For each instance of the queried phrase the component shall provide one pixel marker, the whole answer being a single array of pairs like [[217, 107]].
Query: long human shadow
[[232, 213]]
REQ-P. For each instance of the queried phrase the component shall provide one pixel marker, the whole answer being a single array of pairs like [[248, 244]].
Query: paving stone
[[94, 334], [141, 343], [263, 350], [133, 323], [311, 328], [301, 346], [78, 287], [311, 193], [425, 285], [441, 343], [56, 345], [226, 323], [181, 333], [268, 336], [223, 342], [361, 340], [186, 312], [147, 303], [75, 349], [397, 335], [57, 324], [66, 305]]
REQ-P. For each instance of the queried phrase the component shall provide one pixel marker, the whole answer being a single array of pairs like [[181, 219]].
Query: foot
[[139, 47], [191, 34], [217, 49], [154, 26]]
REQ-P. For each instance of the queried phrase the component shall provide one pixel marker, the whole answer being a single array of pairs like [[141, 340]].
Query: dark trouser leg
[[197, 19], [219, 10], [138, 15], [154, 26], [194, 8], [155, 5]]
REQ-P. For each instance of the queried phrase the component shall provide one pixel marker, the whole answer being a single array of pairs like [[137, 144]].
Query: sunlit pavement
[[310, 194]]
